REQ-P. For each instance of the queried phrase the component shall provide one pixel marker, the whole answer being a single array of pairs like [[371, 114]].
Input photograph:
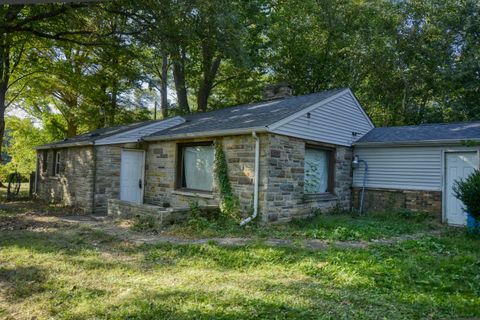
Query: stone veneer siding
[[281, 196], [73, 185], [160, 173], [281, 180], [388, 199], [285, 198]]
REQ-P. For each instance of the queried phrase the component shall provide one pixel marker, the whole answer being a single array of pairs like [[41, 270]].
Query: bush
[[146, 223], [468, 191], [417, 215]]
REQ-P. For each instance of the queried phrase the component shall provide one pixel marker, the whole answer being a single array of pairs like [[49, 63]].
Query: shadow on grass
[[428, 277], [20, 282]]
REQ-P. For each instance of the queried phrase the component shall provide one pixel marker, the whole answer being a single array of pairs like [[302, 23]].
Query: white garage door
[[457, 165], [131, 176]]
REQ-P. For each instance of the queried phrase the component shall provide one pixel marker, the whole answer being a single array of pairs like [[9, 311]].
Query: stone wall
[[107, 178], [281, 182], [285, 198], [72, 186], [160, 173], [388, 199]]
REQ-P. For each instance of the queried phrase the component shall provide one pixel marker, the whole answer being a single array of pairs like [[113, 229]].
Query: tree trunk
[[180, 83], [209, 71], [4, 79], [113, 105], [3, 93], [71, 129], [164, 86]]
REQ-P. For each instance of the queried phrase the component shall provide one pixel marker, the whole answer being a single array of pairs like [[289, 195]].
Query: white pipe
[[255, 185]]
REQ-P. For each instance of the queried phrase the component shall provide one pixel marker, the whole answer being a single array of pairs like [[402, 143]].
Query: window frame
[[180, 175], [57, 159], [331, 154], [45, 161]]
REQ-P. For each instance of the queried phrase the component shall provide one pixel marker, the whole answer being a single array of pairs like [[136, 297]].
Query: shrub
[[417, 215], [468, 191], [145, 223]]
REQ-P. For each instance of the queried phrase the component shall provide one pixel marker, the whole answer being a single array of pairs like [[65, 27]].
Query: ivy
[[229, 203]]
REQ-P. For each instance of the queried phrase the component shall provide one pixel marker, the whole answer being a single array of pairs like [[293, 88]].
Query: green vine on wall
[[229, 203]]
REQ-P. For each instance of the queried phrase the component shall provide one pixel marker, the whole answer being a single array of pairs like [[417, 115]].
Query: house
[[286, 156], [414, 167]]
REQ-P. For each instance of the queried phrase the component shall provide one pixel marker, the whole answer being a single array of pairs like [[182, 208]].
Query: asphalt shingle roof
[[97, 134], [248, 115], [425, 132], [245, 116]]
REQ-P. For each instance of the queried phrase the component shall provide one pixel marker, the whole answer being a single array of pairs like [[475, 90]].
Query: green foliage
[[146, 223], [417, 215], [229, 203], [468, 191], [21, 139]]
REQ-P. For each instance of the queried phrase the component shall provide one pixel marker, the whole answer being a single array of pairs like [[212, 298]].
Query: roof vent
[[277, 91], [95, 134]]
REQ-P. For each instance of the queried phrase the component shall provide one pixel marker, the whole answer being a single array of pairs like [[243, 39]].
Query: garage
[[415, 167]]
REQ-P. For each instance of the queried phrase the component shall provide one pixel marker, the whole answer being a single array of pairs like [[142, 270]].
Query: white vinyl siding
[[406, 168], [332, 123]]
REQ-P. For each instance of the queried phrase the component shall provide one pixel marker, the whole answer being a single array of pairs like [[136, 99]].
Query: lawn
[[341, 227], [51, 270]]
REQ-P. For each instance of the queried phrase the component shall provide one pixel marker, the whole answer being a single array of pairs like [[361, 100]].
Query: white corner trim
[[300, 113]]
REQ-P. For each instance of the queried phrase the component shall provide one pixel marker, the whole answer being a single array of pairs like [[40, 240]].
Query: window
[[44, 160], [57, 161], [318, 176], [195, 166]]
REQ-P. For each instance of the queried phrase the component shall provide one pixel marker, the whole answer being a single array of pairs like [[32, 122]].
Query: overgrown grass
[[22, 194], [326, 227], [79, 274]]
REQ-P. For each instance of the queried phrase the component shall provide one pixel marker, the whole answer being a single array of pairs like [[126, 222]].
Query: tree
[[195, 38], [21, 139], [19, 25]]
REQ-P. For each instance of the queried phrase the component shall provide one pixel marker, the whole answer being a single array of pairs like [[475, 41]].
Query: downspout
[[94, 178], [255, 185]]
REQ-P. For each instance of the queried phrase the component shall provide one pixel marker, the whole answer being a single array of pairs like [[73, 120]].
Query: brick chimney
[[277, 91]]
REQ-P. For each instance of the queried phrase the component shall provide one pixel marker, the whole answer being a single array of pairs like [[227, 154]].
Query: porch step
[[119, 209]]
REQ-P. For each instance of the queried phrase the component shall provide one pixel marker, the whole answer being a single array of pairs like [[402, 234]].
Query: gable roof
[[426, 133], [135, 134], [90, 137], [238, 119], [248, 116]]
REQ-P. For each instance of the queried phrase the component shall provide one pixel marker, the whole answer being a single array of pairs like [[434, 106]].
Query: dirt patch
[[30, 223]]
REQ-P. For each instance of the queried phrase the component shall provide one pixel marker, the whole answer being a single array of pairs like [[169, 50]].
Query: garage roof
[[439, 132]]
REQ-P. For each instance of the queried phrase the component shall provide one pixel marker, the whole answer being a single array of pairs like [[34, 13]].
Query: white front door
[[131, 176], [458, 165]]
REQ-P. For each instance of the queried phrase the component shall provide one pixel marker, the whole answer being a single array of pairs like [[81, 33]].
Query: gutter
[[65, 145], [413, 143], [204, 134], [255, 186]]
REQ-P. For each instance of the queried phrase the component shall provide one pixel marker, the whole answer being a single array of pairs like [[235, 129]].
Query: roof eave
[[413, 143], [205, 134], [65, 145]]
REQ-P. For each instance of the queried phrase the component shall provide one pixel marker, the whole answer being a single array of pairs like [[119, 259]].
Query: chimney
[[277, 91]]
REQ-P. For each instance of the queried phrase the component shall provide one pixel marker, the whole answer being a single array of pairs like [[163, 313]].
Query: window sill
[[319, 197], [191, 193], [53, 177]]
